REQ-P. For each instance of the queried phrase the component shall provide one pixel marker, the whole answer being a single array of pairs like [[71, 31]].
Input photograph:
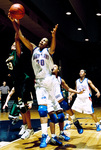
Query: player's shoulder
[[89, 81], [35, 48], [77, 80]]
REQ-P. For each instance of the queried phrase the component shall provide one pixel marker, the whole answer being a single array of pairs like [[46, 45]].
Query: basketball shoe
[[23, 129], [27, 134], [78, 126], [55, 141]]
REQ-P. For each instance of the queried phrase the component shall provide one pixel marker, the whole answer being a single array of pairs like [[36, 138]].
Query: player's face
[[82, 73], [55, 69], [43, 43]]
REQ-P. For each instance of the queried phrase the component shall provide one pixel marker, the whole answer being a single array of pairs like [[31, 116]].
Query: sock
[[73, 118], [44, 128], [61, 132], [97, 123], [53, 135], [67, 116]]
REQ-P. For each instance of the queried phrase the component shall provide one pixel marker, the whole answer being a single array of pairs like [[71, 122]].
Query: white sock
[[44, 128], [61, 132], [73, 118], [53, 135], [67, 115], [97, 123]]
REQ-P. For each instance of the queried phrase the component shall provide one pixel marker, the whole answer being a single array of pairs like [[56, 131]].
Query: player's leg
[[42, 96], [14, 113], [53, 120], [90, 110], [77, 106], [62, 135], [26, 123], [94, 117], [67, 108], [60, 116], [25, 111], [75, 121], [42, 109], [58, 109], [26, 129]]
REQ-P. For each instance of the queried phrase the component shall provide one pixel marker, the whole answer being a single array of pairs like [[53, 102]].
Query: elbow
[[52, 51]]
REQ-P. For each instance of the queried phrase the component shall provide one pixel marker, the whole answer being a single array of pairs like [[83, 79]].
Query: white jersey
[[59, 80], [83, 85], [42, 63]]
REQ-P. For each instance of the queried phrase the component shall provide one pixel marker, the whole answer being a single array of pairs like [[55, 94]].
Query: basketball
[[17, 11]]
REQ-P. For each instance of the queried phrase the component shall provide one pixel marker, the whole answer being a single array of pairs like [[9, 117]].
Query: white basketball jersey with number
[[42, 62], [82, 85]]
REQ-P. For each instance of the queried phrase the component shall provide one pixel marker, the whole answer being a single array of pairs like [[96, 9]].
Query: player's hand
[[81, 91], [9, 16], [16, 23], [54, 30], [5, 105], [70, 97], [29, 105], [98, 94]]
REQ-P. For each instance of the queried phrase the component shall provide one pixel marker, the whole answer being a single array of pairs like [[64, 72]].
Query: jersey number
[[40, 62]]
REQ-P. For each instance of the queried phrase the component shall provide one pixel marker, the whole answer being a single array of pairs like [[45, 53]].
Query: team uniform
[[45, 83], [83, 102], [21, 84], [64, 103], [47, 91]]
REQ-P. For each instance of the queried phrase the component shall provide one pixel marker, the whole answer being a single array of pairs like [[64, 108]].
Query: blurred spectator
[[4, 90]]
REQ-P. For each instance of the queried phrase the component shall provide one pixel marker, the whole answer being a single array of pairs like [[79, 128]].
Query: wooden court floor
[[89, 140]]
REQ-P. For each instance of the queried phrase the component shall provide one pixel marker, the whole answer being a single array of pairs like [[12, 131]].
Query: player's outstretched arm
[[67, 88], [53, 42], [8, 97], [18, 46], [94, 88], [16, 25]]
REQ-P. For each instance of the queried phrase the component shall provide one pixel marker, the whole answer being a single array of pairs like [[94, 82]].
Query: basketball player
[[42, 64], [21, 83], [83, 102], [62, 101]]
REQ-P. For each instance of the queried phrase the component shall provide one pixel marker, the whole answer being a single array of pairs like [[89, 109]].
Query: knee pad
[[64, 105], [53, 118], [60, 117], [42, 109]]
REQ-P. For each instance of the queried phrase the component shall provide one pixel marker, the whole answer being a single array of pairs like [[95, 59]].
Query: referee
[[4, 90]]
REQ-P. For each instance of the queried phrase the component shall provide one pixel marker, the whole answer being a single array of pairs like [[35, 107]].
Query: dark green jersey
[[18, 74], [65, 93], [16, 58]]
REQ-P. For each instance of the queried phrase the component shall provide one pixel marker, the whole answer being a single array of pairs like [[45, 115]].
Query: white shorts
[[47, 91], [83, 106], [53, 106]]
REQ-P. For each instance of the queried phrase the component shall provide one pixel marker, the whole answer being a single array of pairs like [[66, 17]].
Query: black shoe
[[55, 141], [79, 127]]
